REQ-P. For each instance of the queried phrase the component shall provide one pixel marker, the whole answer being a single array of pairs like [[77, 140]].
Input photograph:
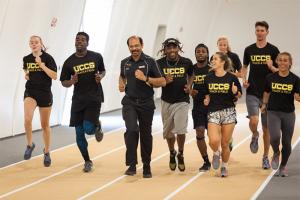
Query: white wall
[[195, 21], [18, 21]]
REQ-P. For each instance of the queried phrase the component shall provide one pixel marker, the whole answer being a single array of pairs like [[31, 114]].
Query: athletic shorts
[[175, 118], [42, 98], [199, 117], [89, 111], [253, 105], [224, 116]]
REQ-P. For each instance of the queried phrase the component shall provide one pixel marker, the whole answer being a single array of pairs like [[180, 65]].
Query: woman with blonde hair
[[223, 46], [40, 68]]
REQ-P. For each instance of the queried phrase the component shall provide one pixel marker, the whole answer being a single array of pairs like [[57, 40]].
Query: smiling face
[[81, 43], [35, 44], [217, 62], [135, 47], [284, 62], [201, 54], [172, 51]]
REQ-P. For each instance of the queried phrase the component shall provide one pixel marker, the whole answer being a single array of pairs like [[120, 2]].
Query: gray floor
[[287, 188]]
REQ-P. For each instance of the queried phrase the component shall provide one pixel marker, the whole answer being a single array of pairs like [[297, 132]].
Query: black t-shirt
[[257, 58], [38, 79], [282, 91], [136, 88], [198, 84], [86, 89], [236, 62], [220, 91], [180, 70]]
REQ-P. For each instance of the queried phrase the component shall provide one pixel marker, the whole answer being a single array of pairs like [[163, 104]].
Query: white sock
[[224, 164], [217, 153]]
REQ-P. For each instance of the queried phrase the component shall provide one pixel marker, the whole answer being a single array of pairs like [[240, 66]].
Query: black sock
[[205, 158], [86, 157]]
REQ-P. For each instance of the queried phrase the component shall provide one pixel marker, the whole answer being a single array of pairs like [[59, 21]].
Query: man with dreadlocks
[[178, 72], [199, 112]]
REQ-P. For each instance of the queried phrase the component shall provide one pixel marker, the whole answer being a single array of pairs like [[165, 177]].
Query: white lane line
[[266, 182], [61, 148], [123, 176], [171, 195], [64, 171]]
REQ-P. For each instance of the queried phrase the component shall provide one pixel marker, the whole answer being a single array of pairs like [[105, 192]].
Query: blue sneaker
[[216, 160], [28, 151]]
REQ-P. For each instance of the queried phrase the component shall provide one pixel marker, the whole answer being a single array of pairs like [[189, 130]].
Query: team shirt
[[86, 89], [220, 91], [257, 58], [198, 84], [180, 70], [38, 79], [282, 90]]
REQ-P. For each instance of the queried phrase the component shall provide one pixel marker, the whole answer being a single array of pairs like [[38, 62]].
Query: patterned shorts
[[225, 116]]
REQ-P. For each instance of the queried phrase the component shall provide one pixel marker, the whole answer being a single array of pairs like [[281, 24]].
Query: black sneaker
[[88, 166], [205, 167], [28, 151], [47, 159], [181, 165], [172, 163], [131, 170], [147, 171], [99, 132]]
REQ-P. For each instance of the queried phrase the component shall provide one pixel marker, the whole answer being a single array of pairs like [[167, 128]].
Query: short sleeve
[[65, 72], [24, 63], [267, 87], [246, 59], [190, 68], [100, 62], [155, 70], [50, 63]]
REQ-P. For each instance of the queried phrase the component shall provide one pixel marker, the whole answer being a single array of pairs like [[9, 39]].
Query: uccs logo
[[282, 87], [174, 71], [260, 58], [219, 86]]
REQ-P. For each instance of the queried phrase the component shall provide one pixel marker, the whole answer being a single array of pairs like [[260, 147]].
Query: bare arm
[[157, 82], [72, 81], [266, 97], [52, 74], [297, 97]]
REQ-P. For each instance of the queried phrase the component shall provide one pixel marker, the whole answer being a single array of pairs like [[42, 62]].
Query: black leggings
[[281, 123]]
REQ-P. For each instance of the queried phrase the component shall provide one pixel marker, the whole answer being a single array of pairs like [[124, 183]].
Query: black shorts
[[42, 98], [199, 117], [81, 111]]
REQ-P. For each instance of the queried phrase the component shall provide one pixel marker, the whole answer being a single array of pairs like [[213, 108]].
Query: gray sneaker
[[99, 132], [28, 151], [254, 145], [265, 163], [282, 171], [216, 161], [88, 166], [47, 159], [224, 172], [275, 161]]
